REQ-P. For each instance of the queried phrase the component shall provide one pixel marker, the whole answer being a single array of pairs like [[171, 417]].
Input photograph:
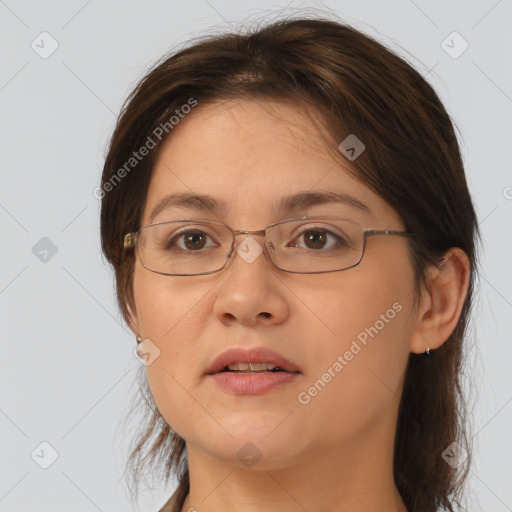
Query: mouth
[[246, 382], [248, 361], [252, 368], [252, 371]]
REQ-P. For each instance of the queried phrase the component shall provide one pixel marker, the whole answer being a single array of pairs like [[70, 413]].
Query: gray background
[[67, 370]]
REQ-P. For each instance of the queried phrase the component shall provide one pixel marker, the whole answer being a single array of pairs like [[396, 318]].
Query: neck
[[357, 476]]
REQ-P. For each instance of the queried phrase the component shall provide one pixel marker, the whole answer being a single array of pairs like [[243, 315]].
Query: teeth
[[255, 367]]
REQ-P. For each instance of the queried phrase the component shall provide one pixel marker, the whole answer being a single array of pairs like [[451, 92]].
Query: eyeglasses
[[306, 245]]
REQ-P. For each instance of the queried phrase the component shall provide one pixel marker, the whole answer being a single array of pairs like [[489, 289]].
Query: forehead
[[250, 155]]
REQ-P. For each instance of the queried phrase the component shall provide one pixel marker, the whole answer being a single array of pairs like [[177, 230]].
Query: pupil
[[316, 236], [191, 238]]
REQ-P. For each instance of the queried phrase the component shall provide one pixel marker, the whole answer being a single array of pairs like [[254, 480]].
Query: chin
[[263, 453]]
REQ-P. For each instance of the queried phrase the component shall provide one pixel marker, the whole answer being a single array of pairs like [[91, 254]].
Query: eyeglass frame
[[131, 240]]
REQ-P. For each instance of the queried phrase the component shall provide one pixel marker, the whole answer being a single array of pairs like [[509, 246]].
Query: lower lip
[[253, 383]]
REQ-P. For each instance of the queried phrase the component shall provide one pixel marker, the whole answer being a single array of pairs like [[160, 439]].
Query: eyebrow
[[285, 205]]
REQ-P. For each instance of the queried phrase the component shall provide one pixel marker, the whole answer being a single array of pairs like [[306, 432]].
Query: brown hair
[[412, 160]]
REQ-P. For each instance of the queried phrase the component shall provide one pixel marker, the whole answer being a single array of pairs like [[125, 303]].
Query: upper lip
[[252, 355]]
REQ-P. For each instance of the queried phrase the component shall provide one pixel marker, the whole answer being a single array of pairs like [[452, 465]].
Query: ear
[[441, 303]]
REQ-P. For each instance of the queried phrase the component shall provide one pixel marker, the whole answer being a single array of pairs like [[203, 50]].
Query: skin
[[334, 453]]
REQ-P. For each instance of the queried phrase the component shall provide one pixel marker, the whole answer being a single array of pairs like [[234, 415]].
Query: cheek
[[368, 305], [157, 318], [167, 308], [359, 363], [173, 313]]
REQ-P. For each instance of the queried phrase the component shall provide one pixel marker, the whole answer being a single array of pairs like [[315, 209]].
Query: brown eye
[[195, 240], [317, 239], [192, 241]]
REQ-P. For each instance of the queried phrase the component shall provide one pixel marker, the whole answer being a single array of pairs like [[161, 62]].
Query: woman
[[314, 365]]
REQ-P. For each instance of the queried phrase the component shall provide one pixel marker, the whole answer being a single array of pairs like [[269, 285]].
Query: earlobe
[[441, 303]]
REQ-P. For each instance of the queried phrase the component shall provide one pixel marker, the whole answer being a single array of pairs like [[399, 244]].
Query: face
[[347, 332]]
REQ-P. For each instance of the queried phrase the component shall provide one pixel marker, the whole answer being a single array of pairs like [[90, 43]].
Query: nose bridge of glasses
[[259, 232]]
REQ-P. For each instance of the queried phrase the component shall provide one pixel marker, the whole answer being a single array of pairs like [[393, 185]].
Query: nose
[[252, 291]]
